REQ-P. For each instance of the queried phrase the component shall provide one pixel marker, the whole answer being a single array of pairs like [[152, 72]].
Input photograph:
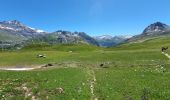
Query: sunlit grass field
[[84, 72]]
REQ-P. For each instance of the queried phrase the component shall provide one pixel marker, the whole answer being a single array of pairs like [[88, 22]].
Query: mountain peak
[[15, 22], [157, 27], [17, 27], [159, 24]]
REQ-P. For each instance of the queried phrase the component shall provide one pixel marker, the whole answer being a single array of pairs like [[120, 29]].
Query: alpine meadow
[[63, 63]]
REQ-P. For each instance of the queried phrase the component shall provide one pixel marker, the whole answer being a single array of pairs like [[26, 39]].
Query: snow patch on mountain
[[103, 37], [19, 28], [107, 40], [40, 31], [37, 30]]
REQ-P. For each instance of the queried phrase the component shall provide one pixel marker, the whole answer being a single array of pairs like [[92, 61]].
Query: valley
[[84, 50]]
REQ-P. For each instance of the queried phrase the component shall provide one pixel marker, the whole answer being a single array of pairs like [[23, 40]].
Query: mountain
[[87, 38], [66, 37], [108, 41], [19, 28], [14, 33], [154, 30]]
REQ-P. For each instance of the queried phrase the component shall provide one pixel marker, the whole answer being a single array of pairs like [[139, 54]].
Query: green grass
[[63, 47], [135, 83], [130, 72], [43, 83], [155, 43], [29, 58]]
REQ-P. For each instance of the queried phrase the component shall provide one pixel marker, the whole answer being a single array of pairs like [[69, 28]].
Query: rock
[[60, 90], [48, 65], [70, 51], [41, 56]]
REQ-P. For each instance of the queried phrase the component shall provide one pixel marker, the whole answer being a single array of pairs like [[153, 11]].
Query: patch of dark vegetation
[[164, 49], [55, 91], [128, 98], [48, 65], [105, 64], [101, 65], [145, 94]]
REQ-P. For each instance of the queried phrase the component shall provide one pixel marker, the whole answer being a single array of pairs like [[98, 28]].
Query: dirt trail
[[166, 54], [92, 82]]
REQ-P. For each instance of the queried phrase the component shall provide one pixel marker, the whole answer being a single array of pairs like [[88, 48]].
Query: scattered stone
[[95, 98], [47, 97], [3, 96], [29, 94], [25, 88], [41, 56], [70, 51], [60, 90], [83, 84], [34, 98]]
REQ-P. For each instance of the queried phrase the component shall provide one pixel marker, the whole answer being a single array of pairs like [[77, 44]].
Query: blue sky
[[95, 17]]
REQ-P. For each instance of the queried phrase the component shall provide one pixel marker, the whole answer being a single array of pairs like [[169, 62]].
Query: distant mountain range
[[15, 34], [108, 41], [153, 30], [65, 37]]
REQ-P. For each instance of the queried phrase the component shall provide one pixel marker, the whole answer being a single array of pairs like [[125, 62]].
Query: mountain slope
[[154, 30], [14, 32], [155, 43], [65, 37], [19, 28], [87, 38], [154, 36]]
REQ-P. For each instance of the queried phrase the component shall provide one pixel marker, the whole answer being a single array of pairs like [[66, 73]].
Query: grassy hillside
[[127, 72], [60, 47], [150, 43]]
